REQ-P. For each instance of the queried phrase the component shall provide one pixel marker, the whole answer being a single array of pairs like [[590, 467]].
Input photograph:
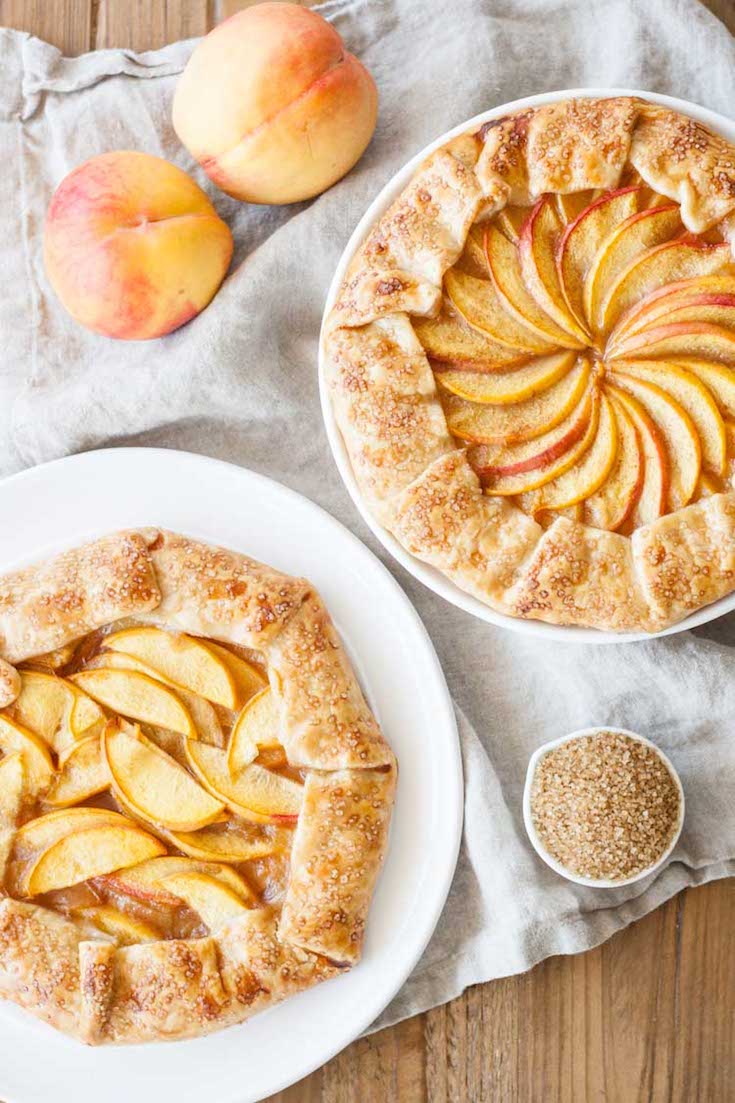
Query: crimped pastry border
[[384, 397], [101, 993]]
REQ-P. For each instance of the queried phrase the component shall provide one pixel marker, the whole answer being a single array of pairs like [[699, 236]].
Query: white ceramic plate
[[431, 577], [65, 502]]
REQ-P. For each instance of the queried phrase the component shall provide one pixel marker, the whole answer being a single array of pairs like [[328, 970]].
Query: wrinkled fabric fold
[[240, 383]]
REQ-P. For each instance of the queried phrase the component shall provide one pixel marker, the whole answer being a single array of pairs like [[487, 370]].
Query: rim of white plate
[[88, 474], [432, 578]]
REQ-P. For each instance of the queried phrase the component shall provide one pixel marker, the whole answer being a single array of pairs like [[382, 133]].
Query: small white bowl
[[591, 882]]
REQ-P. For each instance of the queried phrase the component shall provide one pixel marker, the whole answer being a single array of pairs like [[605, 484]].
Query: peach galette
[[194, 795], [532, 363]]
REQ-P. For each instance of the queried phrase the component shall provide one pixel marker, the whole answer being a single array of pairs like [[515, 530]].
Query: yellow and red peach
[[133, 247], [273, 107]]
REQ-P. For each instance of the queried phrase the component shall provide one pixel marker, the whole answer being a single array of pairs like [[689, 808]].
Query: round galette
[[194, 795], [531, 360]]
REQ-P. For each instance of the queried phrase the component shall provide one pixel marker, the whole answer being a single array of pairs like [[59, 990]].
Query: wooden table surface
[[647, 1018]]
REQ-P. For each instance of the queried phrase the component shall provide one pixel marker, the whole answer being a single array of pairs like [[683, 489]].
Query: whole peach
[[273, 107], [133, 247]]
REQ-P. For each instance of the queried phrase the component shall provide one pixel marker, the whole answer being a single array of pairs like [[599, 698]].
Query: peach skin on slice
[[586, 476], [582, 238], [504, 264], [515, 459], [611, 505], [694, 397], [478, 302], [145, 881], [632, 237], [658, 304], [653, 495], [255, 794], [521, 482], [537, 245], [571, 205], [681, 339], [502, 388], [666, 263], [486, 424], [450, 341], [678, 431]]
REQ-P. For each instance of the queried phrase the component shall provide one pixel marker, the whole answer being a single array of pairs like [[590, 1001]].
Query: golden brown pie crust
[[413, 476], [100, 992]]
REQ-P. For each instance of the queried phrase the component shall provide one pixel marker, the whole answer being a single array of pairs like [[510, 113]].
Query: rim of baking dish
[[432, 578]]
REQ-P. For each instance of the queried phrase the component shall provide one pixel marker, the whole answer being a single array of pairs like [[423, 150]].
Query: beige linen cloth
[[240, 383]]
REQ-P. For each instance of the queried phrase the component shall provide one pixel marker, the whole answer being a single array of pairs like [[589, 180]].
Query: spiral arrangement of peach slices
[[586, 353], [145, 791]]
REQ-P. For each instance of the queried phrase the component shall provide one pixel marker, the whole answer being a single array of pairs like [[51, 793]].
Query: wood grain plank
[[66, 24], [145, 25]]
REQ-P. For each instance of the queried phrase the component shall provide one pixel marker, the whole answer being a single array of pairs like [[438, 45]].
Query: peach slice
[[12, 777], [472, 258], [204, 715], [146, 881], [243, 844], [681, 339], [524, 421], [510, 222], [503, 388], [653, 495], [660, 303], [504, 264], [669, 262], [55, 710], [587, 475], [519, 483], [37, 762], [719, 380], [44, 831], [571, 205], [627, 241], [138, 697], [449, 340], [127, 930], [255, 794], [180, 659], [256, 728], [214, 902], [537, 246], [88, 853], [611, 505], [478, 302], [84, 774], [679, 433], [514, 459], [154, 784], [694, 397], [12, 788], [715, 309], [248, 679], [582, 238]]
